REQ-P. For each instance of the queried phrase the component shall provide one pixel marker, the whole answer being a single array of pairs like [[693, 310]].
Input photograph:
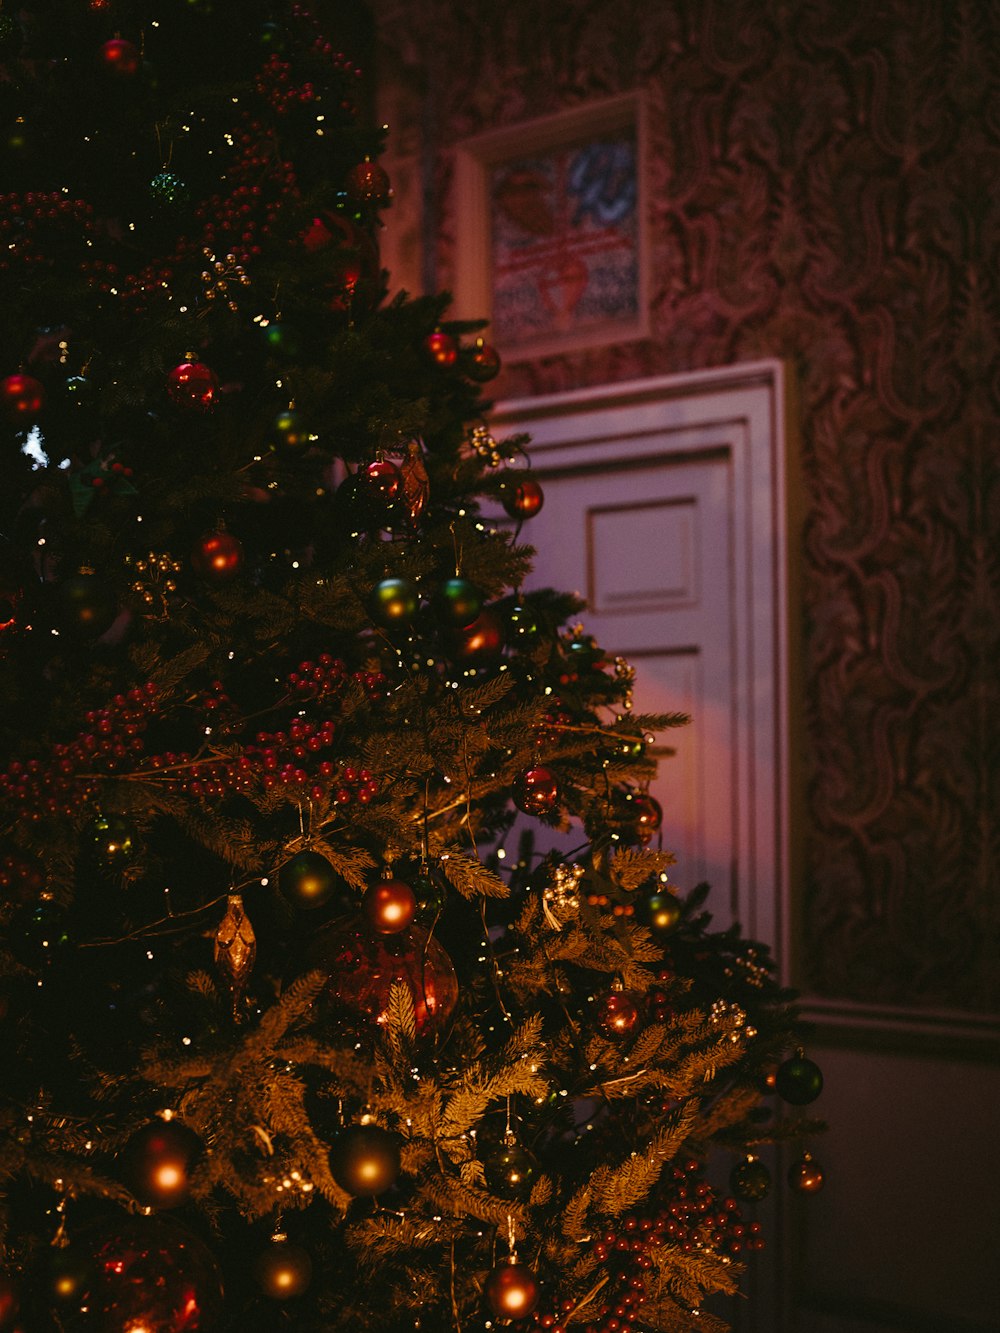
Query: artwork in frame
[[552, 246]]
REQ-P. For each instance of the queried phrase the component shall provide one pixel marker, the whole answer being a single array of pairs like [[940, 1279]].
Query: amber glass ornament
[[389, 906], [21, 398], [361, 968], [521, 495], [647, 814], [441, 347], [217, 557], [618, 1014], [283, 1270], [308, 880], [120, 58], [512, 1291], [535, 791], [750, 1180], [368, 183], [152, 1276], [158, 1160], [364, 1160], [193, 385], [805, 1175], [798, 1080]]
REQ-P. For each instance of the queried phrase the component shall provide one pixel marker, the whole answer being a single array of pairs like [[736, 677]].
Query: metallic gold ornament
[[416, 483], [155, 579], [235, 948]]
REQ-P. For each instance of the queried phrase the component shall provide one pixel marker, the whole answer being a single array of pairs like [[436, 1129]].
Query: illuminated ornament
[[479, 644], [389, 906], [482, 362], [393, 603], [618, 1014], [521, 495], [365, 1160], [217, 557], [511, 1170], [283, 1271], [663, 912], [168, 190], [87, 606], [21, 399], [805, 1176], [368, 183], [158, 1160], [512, 1290], [535, 791], [798, 1081], [114, 839], [193, 385], [152, 1276], [361, 968], [647, 814], [442, 347], [457, 603], [750, 1180], [381, 482], [288, 434], [120, 58], [308, 880]]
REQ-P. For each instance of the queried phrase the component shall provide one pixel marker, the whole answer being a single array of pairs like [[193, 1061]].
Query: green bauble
[[511, 1171], [522, 626], [799, 1081], [280, 339], [114, 839], [457, 603], [430, 890], [750, 1180], [663, 912], [308, 880], [288, 435], [393, 603]]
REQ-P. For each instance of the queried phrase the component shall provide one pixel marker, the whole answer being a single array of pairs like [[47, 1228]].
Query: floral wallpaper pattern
[[825, 184]]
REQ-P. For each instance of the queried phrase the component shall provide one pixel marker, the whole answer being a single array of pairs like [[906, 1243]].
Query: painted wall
[[823, 179]]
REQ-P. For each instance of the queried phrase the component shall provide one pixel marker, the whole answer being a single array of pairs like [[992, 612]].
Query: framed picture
[[551, 231]]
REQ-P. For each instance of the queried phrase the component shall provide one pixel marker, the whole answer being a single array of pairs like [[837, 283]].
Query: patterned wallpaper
[[825, 181]]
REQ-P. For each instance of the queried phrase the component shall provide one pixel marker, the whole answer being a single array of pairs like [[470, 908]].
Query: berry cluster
[[35, 227], [274, 84], [692, 1216], [116, 732]]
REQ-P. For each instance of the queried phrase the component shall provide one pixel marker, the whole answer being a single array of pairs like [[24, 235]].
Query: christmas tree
[[300, 1030]]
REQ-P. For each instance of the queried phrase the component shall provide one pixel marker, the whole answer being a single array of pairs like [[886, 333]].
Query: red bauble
[[158, 1160], [10, 1299], [648, 815], [154, 1276], [193, 385], [618, 1014], [364, 1160], [442, 347], [120, 58], [482, 362], [217, 557], [362, 967], [521, 496], [368, 183], [512, 1291], [479, 643], [21, 398], [806, 1175], [535, 791], [381, 481], [389, 906]]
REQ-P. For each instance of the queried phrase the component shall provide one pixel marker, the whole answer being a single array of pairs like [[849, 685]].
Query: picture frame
[[551, 231]]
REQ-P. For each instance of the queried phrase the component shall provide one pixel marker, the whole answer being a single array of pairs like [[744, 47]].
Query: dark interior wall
[[823, 182]]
